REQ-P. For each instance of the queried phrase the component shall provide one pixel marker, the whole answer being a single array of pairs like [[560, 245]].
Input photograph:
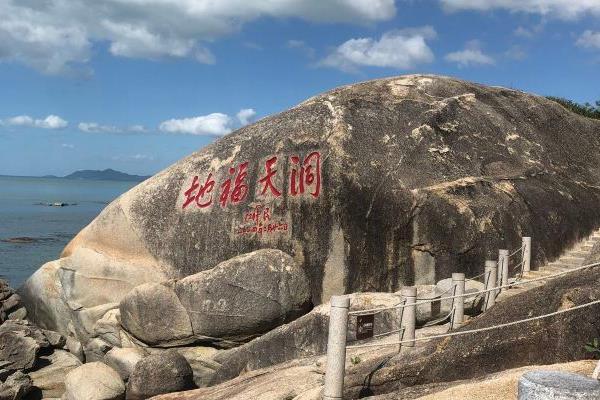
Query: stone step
[[577, 253]]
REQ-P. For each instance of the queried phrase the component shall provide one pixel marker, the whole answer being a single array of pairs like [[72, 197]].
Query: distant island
[[105, 175]]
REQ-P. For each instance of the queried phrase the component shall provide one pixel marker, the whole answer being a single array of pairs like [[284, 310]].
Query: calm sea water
[[22, 215]]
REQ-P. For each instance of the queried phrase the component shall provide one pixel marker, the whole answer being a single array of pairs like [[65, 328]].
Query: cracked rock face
[[233, 302], [368, 187]]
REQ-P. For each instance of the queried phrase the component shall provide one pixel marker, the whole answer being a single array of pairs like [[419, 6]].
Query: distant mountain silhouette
[[105, 175]]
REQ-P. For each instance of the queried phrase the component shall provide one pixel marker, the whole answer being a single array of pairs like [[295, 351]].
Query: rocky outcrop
[[160, 373], [10, 303], [48, 380], [368, 187], [237, 300], [94, 381]]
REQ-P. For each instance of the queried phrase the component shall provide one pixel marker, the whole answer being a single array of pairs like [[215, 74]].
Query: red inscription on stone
[[307, 173], [240, 188], [199, 198], [267, 180]]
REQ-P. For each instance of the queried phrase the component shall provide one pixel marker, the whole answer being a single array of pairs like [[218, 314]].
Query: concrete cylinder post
[[458, 304], [336, 348], [503, 266], [526, 254], [409, 316], [490, 282]]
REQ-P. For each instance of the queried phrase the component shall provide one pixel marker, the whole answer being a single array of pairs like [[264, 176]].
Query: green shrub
[[587, 109], [593, 347]]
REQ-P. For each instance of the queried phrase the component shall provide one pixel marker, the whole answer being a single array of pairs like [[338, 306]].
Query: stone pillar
[[490, 282], [336, 348], [526, 254], [503, 268], [458, 304], [409, 316]]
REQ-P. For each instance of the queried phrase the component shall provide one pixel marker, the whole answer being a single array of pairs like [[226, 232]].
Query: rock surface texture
[[94, 381], [237, 300], [368, 187]]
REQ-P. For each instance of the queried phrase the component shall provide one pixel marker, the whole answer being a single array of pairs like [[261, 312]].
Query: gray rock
[[95, 350], [54, 338], [420, 176], [19, 313], [165, 372], [50, 379], [20, 343], [123, 360], [201, 359], [16, 386], [94, 381], [233, 302], [542, 385], [108, 328], [304, 337], [74, 347], [154, 314]]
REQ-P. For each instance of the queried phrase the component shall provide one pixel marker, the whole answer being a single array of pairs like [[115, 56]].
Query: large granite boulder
[[161, 373], [370, 186], [49, 380], [237, 300], [94, 381]]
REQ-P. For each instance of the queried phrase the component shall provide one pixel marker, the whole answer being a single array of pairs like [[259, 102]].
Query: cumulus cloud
[[470, 56], [589, 39], [215, 124], [563, 9], [401, 49], [94, 127], [55, 36], [50, 122], [246, 115]]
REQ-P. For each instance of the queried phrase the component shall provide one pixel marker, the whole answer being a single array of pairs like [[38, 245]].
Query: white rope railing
[[487, 328]]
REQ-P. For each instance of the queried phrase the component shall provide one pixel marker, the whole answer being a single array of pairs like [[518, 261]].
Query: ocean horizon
[[26, 211]]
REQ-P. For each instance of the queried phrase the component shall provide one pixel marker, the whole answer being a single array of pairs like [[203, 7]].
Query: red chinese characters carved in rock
[[306, 174], [304, 177], [238, 193], [203, 197]]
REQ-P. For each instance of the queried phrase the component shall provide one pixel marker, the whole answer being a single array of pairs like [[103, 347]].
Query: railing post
[[409, 316], [503, 266], [526, 254], [490, 282], [458, 304], [336, 348]]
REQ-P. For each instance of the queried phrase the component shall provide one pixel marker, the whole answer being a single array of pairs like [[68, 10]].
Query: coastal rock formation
[[165, 372], [94, 381], [236, 300], [368, 187]]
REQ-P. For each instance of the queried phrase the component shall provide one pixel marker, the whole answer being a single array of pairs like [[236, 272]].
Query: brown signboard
[[364, 326]]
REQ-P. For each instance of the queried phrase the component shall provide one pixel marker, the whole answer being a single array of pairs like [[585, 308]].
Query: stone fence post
[[336, 348]]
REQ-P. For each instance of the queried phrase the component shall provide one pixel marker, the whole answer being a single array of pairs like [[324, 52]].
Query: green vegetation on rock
[[587, 109]]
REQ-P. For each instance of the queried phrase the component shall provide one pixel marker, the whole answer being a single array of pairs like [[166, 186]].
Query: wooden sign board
[[364, 326]]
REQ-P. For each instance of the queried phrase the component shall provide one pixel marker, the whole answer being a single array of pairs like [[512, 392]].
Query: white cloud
[[470, 56], [94, 127], [563, 9], [245, 115], [50, 122], [137, 128], [56, 36], [402, 49], [215, 124], [589, 39], [67, 146]]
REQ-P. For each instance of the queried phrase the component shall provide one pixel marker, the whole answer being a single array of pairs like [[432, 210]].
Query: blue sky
[[137, 84]]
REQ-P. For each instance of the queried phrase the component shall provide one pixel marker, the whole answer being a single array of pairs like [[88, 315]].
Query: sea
[[27, 211]]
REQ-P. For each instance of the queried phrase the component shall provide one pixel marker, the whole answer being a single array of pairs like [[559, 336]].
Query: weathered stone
[[165, 372], [405, 180], [16, 387], [202, 363], [12, 302], [19, 313], [123, 360], [74, 347], [49, 380], [108, 328], [54, 338], [17, 351], [304, 337], [95, 350], [542, 385], [94, 381], [237, 300], [154, 314]]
